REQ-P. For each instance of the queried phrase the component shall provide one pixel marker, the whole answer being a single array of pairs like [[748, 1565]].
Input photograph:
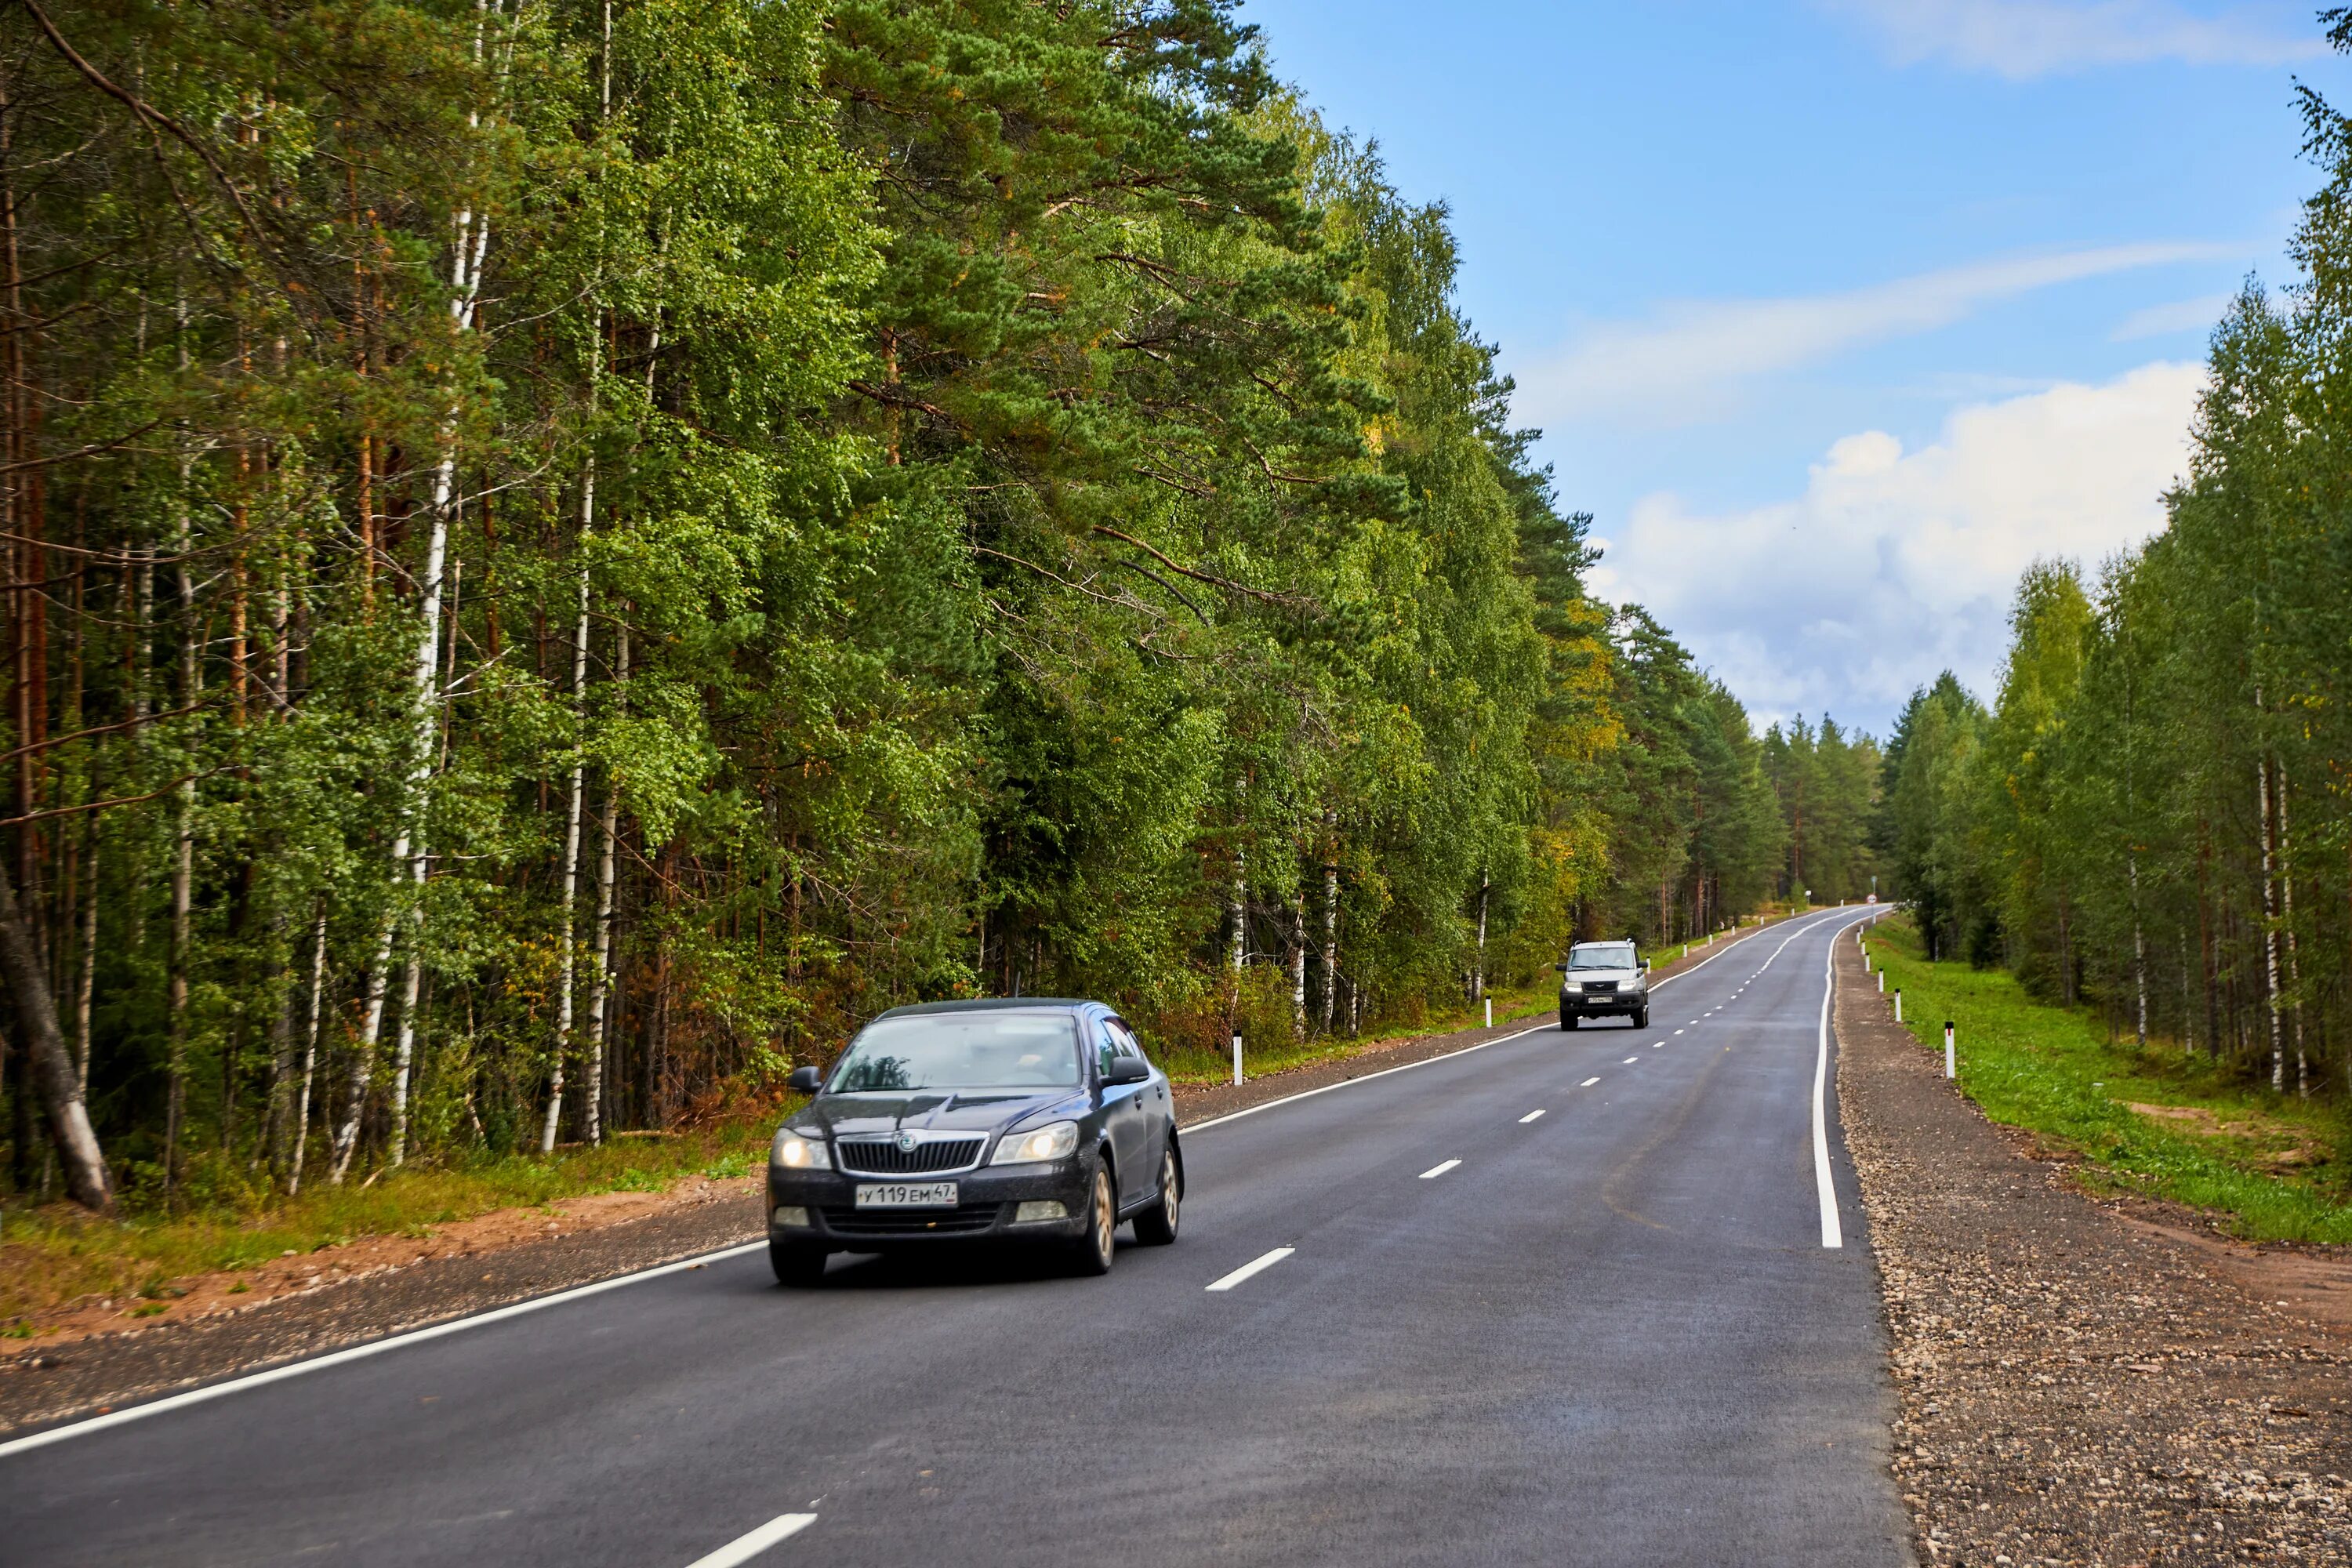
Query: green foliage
[[619, 540], [2274, 1168]]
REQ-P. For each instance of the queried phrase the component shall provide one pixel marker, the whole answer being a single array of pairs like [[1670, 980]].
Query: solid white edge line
[[359, 1353], [1831, 1234], [1530, 1116], [1255, 1265], [743, 1548], [1439, 1170]]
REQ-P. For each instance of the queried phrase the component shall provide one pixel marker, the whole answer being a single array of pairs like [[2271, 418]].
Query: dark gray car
[[1034, 1119]]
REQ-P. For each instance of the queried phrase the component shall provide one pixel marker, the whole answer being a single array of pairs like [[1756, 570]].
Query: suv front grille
[[1599, 987], [910, 1222], [880, 1159]]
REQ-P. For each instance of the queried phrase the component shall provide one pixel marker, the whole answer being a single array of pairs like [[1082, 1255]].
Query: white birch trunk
[[1240, 910], [1479, 975], [470, 245], [2270, 924], [1331, 932], [2139, 958], [569, 883], [600, 988], [310, 1056], [1298, 962], [2286, 919]]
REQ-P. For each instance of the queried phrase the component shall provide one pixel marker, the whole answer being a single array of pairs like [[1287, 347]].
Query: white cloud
[[1689, 362], [2024, 38], [2199, 315], [1893, 566]]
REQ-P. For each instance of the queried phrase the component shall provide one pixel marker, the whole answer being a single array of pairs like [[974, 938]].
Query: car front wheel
[[1093, 1254], [1156, 1227], [1567, 1020], [1642, 1020], [798, 1265]]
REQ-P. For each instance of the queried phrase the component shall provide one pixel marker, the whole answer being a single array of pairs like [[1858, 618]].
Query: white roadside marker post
[[1237, 1056], [1881, 982], [1490, 1012], [1898, 1003], [1951, 1052]]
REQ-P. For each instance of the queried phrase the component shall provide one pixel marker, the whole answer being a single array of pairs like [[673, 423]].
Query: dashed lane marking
[[1530, 1116], [1255, 1265], [745, 1547], [1587, 1083], [1439, 1170]]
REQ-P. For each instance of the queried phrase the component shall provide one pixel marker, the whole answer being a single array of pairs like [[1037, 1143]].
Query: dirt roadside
[[2080, 1385], [98, 1354]]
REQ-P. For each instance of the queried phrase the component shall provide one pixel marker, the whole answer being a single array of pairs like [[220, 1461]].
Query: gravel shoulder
[[2083, 1382]]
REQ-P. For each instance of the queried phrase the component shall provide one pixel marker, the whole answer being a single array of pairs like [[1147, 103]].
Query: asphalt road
[[1609, 1334]]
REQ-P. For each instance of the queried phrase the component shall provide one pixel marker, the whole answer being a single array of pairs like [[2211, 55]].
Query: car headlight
[[794, 1153], [1573, 987], [1055, 1140]]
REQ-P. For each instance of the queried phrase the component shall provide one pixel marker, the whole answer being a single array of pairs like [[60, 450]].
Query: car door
[[1125, 1115]]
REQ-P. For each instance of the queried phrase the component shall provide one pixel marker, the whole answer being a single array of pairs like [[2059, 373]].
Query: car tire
[[1567, 1020], [1156, 1227], [1642, 1020], [798, 1265], [1097, 1246]]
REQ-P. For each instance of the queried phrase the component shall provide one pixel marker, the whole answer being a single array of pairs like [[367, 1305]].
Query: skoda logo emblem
[[906, 1142]]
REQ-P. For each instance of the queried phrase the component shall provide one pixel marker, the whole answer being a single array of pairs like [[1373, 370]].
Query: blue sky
[[1838, 313]]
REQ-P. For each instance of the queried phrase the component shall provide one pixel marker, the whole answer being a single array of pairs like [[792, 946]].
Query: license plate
[[905, 1195]]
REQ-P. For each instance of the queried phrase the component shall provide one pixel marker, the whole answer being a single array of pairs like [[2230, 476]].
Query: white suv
[[1604, 978]]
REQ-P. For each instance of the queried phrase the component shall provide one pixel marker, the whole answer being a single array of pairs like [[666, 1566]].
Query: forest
[[2152, 815], [562, 554]]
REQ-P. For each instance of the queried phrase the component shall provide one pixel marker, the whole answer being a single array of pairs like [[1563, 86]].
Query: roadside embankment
[[2074, 1387]]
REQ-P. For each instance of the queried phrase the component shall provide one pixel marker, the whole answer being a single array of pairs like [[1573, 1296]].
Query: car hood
[[1619, 975], [934, 1110]]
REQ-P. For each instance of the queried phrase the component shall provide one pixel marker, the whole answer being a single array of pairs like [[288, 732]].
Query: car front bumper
[[1606, 1004], [986, 1201]]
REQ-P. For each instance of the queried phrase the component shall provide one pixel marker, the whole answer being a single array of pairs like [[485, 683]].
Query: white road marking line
[[1439, 1170], [1831, 1234], [1631, 1060], [1677, 1031], [1255, 1265], [743, 1548], [358, 1353], [1587, 1083], [1350, 1083], [1655, 1044], [1530, 1116]]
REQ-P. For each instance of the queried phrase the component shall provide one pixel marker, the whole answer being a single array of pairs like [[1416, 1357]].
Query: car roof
[[995, 1004]]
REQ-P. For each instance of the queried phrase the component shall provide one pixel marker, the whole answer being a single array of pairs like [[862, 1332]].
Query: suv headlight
[[1573, 987], [1055, 1140], [794, 1153]]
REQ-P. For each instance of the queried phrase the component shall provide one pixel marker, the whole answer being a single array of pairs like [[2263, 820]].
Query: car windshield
[[1602, 955], [962, 1050]]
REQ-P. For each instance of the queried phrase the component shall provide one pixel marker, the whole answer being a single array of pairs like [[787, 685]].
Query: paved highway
[[1561, 1299]]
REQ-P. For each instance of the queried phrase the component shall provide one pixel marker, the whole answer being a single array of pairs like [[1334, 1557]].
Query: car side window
[[1106, 1050], [1124, 1038]]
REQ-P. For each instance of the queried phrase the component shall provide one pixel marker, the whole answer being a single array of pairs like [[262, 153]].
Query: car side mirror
[[1127, 1069], [804, 1080], [1561, 966], [1645, 966]]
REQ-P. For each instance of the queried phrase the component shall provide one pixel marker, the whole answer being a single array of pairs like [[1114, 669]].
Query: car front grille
[[880, 1159], [844, 1221], [1599, 987]]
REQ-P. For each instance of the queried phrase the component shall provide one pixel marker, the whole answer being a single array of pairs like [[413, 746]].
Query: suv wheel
[[1566, 1020], [1156, 1227], [1095, 1248], [1642, 1019]]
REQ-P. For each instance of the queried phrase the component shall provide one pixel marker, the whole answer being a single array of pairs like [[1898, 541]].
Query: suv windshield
[[962, 1050], [1602, 955]]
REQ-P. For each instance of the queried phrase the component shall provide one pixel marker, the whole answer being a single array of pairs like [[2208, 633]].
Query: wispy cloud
[[1689, 361], [2025, 38], [2198, 315], [1890, 564]]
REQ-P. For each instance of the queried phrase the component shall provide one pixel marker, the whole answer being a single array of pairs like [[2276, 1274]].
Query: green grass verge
[[2273, 1165], [52, 1256]]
